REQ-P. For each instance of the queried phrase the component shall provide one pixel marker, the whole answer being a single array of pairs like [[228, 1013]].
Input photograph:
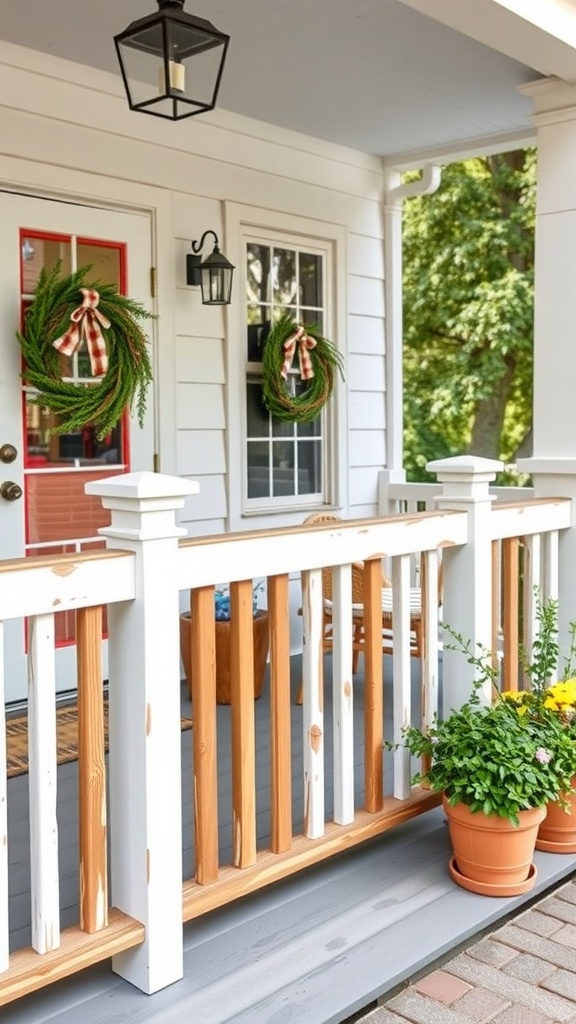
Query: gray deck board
[[311, 950]]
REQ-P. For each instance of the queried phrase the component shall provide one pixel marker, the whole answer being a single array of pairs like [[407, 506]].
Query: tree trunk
[[488, 419]]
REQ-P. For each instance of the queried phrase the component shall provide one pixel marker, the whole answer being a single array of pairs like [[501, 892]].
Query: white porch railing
[[140, 581]]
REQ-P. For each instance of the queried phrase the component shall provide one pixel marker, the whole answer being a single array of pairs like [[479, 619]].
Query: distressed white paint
[[313, 704], [533, 518], [144, 676], [343, 701], [4, 920], [430, 658], [30, 588], [42, 764], [307, 547], [401, 688], [144, 710]]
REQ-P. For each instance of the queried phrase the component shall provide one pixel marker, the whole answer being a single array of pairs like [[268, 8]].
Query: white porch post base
[[145, 770], [467, 570]]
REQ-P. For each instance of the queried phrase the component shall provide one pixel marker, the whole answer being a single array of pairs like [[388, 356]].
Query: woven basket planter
[[222, 629]]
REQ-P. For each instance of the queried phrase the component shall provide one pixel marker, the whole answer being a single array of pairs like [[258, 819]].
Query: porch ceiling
[[375, 75]]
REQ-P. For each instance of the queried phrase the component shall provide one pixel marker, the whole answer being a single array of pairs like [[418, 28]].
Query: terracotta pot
[[492, 856], [557, 833], [261, 644]]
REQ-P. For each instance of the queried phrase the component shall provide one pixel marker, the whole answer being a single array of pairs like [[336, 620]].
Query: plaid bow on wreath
[[86, 320], [305, 342]]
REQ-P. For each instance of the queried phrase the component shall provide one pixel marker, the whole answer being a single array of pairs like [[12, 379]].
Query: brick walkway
[[522, 973]]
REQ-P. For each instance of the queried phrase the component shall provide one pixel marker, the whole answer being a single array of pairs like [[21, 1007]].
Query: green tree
[[468, 312]]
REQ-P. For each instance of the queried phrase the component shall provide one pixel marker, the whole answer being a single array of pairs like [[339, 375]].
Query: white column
[[145, 772], [467, 570], [553, 465]]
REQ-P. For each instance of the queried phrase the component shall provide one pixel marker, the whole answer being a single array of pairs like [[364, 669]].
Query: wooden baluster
[[203, 673], [91, 772], [280, 745], [243, 730]]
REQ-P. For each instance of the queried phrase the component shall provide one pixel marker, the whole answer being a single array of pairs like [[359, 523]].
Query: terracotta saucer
[[548, 847], [485, 889]]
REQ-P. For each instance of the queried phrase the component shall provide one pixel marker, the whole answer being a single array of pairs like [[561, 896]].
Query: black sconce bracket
[[194, 262]]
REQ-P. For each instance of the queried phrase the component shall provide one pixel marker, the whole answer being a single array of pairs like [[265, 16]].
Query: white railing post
[[467, 570], [553, 478], [388, 506], [144, 711]]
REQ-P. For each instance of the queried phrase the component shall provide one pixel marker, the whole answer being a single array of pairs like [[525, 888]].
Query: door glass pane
[[58, 507], [80, 447], [105, 261], [38, 251], [59, 515]]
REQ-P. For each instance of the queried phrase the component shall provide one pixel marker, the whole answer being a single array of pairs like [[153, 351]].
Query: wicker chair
[[416, 618]]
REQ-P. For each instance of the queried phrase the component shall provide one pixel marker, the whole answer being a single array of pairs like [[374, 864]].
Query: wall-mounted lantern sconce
[[155, 54], [214, 274]]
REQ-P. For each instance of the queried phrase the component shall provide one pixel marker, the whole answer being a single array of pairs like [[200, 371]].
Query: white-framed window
[[278, 471], [286, 464]]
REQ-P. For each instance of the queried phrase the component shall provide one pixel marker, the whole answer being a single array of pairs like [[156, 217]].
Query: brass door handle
[[8, 453], [10, 490]]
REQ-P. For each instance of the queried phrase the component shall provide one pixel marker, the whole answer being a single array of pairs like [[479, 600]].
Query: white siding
[[65, 130]]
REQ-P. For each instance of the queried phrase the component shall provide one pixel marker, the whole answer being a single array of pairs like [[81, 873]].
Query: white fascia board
[[540, 34]]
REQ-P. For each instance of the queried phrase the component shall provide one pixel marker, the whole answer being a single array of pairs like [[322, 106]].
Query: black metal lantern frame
[[214, 274], [155, 54]]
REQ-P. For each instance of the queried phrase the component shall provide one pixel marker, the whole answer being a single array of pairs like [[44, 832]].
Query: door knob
[[8, 452], [10, 490]]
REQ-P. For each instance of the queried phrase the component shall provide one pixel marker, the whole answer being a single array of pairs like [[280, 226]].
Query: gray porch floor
[[312, 950]]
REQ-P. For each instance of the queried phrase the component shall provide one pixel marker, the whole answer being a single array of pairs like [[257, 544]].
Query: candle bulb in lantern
[[177, 77]]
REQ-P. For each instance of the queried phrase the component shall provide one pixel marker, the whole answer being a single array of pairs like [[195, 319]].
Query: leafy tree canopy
[[468, 312]]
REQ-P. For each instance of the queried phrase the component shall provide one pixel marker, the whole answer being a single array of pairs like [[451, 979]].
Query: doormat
[[67, 736]]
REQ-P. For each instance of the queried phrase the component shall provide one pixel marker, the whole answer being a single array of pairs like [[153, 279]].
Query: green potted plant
[[498, 766], [222, 633], [557, 833]]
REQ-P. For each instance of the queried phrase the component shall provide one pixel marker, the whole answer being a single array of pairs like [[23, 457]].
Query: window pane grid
[[284, 460]]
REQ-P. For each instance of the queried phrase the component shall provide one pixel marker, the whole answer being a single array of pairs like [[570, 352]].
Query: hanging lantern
[[171, 62], [214, 274]]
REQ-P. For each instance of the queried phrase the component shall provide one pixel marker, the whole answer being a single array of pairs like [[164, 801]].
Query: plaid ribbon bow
[[304, 343], [86, 321]]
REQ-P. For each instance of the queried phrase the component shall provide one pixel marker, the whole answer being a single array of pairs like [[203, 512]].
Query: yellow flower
[[562, 695]]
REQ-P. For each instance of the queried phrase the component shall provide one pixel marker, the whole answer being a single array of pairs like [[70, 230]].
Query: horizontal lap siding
[[188, 177]]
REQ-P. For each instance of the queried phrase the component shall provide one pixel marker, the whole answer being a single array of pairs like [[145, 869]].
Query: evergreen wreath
[[121, 358], [318, 359]]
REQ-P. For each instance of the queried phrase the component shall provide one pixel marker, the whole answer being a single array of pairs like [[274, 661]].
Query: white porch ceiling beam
[[541, 33]]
